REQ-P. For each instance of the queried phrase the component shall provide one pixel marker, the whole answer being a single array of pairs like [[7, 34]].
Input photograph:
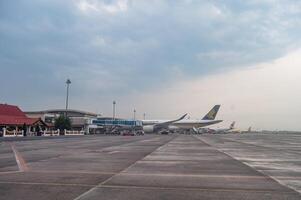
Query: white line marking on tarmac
[[20, 161], [112, 152]]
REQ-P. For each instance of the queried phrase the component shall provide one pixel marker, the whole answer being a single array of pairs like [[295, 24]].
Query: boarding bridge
[[114, 126], [117, 122]]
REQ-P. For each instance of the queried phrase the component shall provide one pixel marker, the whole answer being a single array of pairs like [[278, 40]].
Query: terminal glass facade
[[116, 122]]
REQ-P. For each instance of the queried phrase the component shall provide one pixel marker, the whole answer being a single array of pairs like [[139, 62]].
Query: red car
[[128, 133]]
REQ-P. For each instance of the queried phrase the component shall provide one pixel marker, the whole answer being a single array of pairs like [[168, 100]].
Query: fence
[[14, 133], [51, 133], [74, 132]]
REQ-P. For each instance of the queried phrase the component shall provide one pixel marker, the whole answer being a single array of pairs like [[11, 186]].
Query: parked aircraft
[[159, 126], [181, 123], [249, 130], [222, 130], [231, 129]]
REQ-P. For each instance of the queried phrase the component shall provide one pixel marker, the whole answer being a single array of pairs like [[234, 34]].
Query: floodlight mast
[[114, 109], [68, 82]]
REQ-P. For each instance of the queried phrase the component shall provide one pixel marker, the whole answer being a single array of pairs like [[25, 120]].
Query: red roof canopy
[[10, 110], [13, 115]]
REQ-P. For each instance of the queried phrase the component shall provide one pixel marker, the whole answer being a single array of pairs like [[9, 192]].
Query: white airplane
[[235, 130], [249, 130], [220, 130], [164, 126]]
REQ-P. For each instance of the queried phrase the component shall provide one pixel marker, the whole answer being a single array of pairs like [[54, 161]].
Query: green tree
[[62, 123]]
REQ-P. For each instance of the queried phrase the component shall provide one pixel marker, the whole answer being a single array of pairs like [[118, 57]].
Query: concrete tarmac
[[152, 167]]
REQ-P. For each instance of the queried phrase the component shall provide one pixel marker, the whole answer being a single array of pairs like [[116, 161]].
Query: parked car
[[140, 132], [128, 133]]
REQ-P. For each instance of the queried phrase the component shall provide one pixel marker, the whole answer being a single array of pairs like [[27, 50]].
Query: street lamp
[[134, 114], [114, 104], [68, 82]]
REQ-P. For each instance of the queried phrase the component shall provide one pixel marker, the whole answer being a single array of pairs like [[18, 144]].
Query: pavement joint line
[[194, 189], [260, 171], [142, 187], [194, 175], [110, 178], [138, 187], [10, 172], [19, 159], [71, 172], [46, 183], [208, 176], [47, 159], [125, 144]]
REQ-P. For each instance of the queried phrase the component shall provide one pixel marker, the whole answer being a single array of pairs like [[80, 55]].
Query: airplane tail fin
[[212, 113], [232, 125]]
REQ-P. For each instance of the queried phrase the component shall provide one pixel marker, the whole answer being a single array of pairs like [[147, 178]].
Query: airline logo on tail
[[212, 113]]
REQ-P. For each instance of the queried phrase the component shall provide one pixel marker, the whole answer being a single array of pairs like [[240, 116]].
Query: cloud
[[117, 48], [99, 6], [264, 96]]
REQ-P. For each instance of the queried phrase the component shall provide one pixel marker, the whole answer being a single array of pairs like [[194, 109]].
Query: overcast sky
[[161, 57]]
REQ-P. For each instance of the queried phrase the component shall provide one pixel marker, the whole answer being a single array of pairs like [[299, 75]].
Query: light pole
[[68, 82], [134, 114], [144, 116], [114, 104]]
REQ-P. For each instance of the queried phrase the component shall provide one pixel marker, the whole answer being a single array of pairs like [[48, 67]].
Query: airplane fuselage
[[183, 124]]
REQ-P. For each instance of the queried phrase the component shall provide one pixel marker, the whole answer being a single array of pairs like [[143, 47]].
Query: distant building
[[13, 118], [89, 122], [79, 119]]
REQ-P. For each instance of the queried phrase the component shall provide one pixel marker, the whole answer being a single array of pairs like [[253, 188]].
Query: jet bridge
[[113, 126]]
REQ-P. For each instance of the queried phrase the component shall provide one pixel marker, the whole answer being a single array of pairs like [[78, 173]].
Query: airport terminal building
[[79, 119], [89, 122]]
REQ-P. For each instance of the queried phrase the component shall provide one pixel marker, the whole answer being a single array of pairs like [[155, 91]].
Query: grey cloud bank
[[115, 48]]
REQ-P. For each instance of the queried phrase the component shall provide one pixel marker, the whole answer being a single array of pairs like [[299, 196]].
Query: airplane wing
[[167, 123]]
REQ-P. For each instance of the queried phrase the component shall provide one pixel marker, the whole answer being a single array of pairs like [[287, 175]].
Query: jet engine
[[149, 129]]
